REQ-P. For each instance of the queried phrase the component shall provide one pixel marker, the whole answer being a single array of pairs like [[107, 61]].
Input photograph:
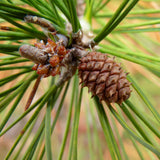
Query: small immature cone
[[104, 78], [34, 54]]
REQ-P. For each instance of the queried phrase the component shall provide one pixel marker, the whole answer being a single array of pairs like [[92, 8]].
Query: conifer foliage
[[49, 47]]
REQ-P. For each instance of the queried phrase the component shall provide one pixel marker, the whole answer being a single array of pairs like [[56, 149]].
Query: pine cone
[[104, 78]]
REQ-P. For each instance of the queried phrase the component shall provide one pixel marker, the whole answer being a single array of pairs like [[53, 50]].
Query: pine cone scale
[[85, 76], [90, 65], [100, 88], [112, 79], [102, 77], [93, 76], [107, 67]]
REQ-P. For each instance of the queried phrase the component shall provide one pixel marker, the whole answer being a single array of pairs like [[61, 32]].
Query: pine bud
[[33, 53]]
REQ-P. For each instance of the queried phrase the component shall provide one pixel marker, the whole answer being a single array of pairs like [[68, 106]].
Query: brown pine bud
[[34, 54], [104, 78], [40, 21]]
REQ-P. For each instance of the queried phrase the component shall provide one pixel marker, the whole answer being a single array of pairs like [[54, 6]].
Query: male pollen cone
[[104, 78]]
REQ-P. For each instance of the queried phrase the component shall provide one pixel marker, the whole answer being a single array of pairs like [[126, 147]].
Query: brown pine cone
[[104, 78]]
